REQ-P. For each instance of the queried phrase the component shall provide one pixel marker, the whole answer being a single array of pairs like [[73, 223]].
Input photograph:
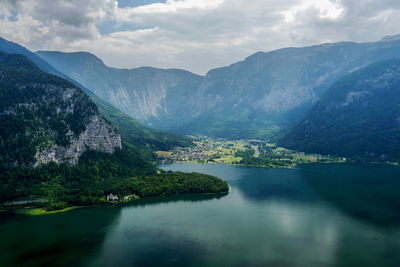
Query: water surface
[[313, 215]]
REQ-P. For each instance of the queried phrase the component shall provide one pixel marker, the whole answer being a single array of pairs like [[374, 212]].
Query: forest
[[97, 175]]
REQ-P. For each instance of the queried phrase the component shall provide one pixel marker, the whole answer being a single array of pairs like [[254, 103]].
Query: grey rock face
[[45, 118], [99, 136]]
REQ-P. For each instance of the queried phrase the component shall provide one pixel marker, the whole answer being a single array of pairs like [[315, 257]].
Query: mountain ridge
[[258, 97], [131, 130], [357, 117]]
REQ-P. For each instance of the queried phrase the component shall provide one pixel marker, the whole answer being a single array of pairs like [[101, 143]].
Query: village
[[209, 150], [205, 150]]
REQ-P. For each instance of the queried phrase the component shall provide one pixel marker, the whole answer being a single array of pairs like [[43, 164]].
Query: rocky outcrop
[[99, 136], [44, 118]]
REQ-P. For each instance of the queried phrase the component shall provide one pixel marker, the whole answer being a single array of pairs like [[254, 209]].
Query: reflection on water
[[66, 239], [192, 198], [314, 215], [368, 193], [53, 239]]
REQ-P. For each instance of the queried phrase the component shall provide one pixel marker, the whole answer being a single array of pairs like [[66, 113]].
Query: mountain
[[390, 38], [359, 116], [147, 94], [13, 48], [255, 98], [134, 133], [44, 118], [55, 145], [131, 130]]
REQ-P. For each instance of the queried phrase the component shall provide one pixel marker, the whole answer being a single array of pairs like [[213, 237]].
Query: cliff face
[[45, 118], [98, 135]]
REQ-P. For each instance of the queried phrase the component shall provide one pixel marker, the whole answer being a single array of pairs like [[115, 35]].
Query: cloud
[[53, 22], [192, 34], [171, 6]]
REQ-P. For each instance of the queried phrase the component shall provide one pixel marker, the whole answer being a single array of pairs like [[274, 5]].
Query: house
[[111, 197]]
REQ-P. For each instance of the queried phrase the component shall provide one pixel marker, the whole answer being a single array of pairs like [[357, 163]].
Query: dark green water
[[314, 215]]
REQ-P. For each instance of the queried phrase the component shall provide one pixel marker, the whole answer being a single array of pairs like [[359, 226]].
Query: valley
[[199, 133]]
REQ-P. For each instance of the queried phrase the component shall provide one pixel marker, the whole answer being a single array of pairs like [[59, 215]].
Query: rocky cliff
[[98, 135], [45, 118]]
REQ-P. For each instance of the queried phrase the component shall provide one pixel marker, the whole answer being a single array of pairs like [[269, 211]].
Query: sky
[[196, 35]]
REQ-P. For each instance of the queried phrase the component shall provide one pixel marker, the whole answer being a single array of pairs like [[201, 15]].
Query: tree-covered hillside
[[44, 119], [359, 116], [96, 175], [37, 111], [131, 130]]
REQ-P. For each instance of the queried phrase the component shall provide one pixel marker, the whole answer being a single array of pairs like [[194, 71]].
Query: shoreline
[[283, 167], [41, 211], [258, 166]]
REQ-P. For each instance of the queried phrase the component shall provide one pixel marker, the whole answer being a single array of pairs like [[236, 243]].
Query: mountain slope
[[131, 130], [55, 145], [14, 48], [142, 93], [44, 118], [257, 97], [359, 116], [136, 134]]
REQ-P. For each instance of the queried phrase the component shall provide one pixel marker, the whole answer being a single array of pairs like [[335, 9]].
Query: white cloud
[[325, 9], [171, 6], [192, 34]]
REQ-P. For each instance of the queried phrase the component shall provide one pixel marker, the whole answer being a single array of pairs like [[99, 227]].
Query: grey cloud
[[75, 13], [49, 23], [195, 38], [360, 21]]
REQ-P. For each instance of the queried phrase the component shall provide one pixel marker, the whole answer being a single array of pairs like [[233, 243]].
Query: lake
[[312, 215]]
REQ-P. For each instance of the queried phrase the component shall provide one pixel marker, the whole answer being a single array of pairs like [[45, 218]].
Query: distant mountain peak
[[252, 98], [73, 57], [390, 38]]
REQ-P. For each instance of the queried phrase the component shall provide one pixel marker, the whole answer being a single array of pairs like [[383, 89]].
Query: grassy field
[[164, 153], [42, 211], [228, 159]]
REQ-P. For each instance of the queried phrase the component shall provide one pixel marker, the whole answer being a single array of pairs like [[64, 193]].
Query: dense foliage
[[98, 174], [358, 117], [266, 158], [168, 183], [37, 110], [72, 183]]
